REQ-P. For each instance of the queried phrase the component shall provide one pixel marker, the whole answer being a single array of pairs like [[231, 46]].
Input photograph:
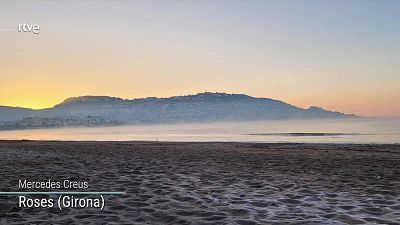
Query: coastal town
[[39, 122]]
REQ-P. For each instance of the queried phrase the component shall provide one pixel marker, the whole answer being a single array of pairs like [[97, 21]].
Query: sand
[[210, 183]]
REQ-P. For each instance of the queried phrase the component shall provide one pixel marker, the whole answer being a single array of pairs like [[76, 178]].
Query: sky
[[340, 55]]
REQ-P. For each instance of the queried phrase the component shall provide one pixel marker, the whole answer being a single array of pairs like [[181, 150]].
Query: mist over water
[[364, 130]]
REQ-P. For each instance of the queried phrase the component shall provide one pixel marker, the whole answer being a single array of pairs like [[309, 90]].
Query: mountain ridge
[[200, 107], [204, 94]]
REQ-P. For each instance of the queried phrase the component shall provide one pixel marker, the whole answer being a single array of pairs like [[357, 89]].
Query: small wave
[[305, 134]]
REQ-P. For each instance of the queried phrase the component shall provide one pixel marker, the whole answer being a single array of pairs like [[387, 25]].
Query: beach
[[209, 182]]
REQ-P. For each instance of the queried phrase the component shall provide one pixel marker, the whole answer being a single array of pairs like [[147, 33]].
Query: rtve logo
[[32, 28]]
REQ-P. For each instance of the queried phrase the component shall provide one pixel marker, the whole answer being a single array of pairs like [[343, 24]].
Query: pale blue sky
[[342, 55]]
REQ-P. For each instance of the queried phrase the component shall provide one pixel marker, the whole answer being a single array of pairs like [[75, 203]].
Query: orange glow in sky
[[342, 57]]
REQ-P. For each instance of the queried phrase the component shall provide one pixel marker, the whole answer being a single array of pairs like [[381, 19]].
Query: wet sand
[[210, 183]]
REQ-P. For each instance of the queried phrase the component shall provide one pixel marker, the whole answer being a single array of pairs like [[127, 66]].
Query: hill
[[202, 107]]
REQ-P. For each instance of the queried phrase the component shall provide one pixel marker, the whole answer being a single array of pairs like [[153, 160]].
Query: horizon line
[[193, 94]]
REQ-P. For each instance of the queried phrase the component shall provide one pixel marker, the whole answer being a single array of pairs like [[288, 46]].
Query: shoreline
[[203, 142]]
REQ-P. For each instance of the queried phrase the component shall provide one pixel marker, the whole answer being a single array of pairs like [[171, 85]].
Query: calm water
[[321, 131]]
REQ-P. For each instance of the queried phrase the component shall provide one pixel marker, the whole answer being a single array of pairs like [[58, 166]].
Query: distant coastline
[[92, 111]]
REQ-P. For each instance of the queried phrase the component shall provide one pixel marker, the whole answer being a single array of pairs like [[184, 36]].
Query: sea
[[357, 131]]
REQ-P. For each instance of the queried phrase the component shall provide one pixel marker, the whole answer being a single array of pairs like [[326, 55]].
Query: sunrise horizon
[[34, 107], [343, 57], [39, 105]]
